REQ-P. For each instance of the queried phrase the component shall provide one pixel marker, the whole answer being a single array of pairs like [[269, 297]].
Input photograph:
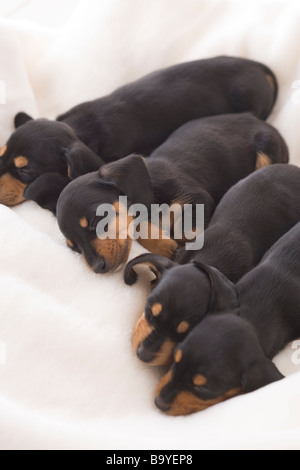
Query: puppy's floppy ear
[[81, 160], [22, 118], [46, 189], [157, 264], [223, 292], [130, 175], [259, 374]]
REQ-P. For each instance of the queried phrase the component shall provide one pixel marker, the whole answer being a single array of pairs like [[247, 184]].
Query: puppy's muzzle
[[101, 266], [161, 404], [144, 355]]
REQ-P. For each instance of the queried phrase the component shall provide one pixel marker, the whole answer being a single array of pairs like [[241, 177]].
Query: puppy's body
[[136, 118], [139, 116], [232, 351], [196, 165], [250, 218], [204, 158], [270, 295]]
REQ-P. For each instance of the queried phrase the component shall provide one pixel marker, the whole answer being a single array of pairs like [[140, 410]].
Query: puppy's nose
[[161, 404], [144, 355], [101, 267]]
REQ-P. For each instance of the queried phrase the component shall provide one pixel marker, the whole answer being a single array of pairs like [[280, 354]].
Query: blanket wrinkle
[[71, 379]]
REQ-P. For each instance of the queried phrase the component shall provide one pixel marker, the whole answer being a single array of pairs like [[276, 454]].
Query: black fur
[[136, 118], [234, 349], [250, 218], [196, 165]]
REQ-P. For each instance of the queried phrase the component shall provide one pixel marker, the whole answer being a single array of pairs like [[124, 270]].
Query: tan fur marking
[[3, 150], [83, 222], [116, 251], [140, 332], [183, 327], [118, 208], [271, 81], [186, 403], [156, 309], [262, 161], [199, 380], [159, 245], [70, 244], [178, 356], [164, 381], [21, 162], [11, 190], [164, 356]]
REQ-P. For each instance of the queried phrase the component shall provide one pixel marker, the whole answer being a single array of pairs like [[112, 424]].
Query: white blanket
[[68, 377]]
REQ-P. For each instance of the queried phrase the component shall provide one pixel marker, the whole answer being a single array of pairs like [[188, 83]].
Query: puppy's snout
[[101, 267], [144, 355], [161, 404]]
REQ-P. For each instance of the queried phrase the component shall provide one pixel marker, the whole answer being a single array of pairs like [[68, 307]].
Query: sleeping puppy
[[42, 156], [230, 353], [251, 217], [196, 165]]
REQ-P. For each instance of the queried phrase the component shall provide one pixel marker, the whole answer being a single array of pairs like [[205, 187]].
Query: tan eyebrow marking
[[21, 162], [83, 222], [3, 150], [183, 327], [178, 356], [70, 244], [199, 380], [156, 309]]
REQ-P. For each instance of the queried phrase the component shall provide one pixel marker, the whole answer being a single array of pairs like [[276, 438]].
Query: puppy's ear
[[22, 118], [259, 374], [223, 292], [46, 189], [81, 160], [130, 175], [157, 265]]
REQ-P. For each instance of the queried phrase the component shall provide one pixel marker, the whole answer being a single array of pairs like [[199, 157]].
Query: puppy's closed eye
[[73, 246], [27, 173]]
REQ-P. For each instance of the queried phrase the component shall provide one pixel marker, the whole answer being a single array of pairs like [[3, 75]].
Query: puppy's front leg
[[155, 240]]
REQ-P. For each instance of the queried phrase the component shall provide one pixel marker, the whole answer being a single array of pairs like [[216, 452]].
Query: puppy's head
[[39, 160], [181, 298], [220, 359], [92, 218]]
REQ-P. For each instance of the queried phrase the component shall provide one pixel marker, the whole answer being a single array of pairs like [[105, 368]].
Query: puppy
[[196, 165], [251, 217], [230, 353], [42, 156]]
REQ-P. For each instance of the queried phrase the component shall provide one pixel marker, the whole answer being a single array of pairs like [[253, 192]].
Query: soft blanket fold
[[69, 378]]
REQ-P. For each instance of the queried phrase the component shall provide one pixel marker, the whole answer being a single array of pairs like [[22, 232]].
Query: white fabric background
[[70, 378]]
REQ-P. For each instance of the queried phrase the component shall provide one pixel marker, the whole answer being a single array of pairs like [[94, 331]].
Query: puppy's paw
[[166, 248]]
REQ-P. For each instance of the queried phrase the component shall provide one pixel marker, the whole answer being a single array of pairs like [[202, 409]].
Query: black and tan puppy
[[41, 155], [251, 217], [230, 353], [196, 165]]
